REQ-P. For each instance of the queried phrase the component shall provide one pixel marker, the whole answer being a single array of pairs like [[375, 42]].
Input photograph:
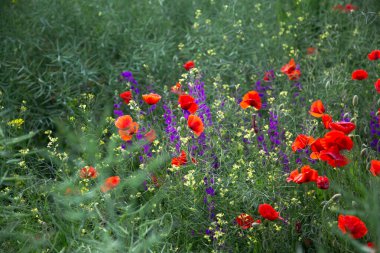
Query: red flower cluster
[[126, 127], [359, 74], [189, 65], [126, 96], [268, 212], [374, 55], [110, 183], [352, 225], [151, 98], [301, 142], [375, 167], [88, 172], [195, 124], [180, 160], [377, 85], [307, 175], [246, 221], [347, 8], [290, 69], [251, 98], [328, 148], [187, 102]]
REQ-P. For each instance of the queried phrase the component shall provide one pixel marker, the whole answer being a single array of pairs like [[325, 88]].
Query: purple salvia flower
[[374, 131], [171, 128], [118, 113]]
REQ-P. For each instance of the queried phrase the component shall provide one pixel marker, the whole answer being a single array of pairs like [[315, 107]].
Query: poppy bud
[[363, 153], [327, 85], [323, 182], [182, 120], [179, 129], [354, 204], [378, 102], [355, 100]]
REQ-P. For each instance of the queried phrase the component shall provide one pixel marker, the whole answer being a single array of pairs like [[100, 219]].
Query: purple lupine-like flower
[[285, 161], [118, 113], [374, 126], [273, 133], [210, 191], [128, 76], [171, 129], [197, 90], [262, 90]]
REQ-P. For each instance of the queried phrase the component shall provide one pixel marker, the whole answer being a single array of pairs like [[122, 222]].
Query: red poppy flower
[[311, 50], [359, 74], [317, 109], [371, 245], [353, 225], [189, 65], [176, 89], [295, 75], [289, 67], [268, 76], [151, 135], [151, 98], [326, 120], [337, 139], [245, 221], [127, 133], [110, 183], [187, 102], [301, 142], [126, 96], [345, 127], [307, 175], [180, 160], [350, 8], [195, 123], [123, 122], [316, 147], [88, 172], [375, 167], [323, 182], [374, 55], [377, 85], [251, 98], [268, 212], [333, 157]]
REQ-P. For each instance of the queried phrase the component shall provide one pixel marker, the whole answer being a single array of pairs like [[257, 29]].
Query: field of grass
[[70, 183]]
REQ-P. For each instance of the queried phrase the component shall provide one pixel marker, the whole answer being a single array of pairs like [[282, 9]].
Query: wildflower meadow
[[190, 126]]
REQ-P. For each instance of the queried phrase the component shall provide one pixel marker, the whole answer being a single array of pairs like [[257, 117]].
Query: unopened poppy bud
[[182, 119], [328, 84], [354, 204], [378, 102], [355, 100], [179, 129], [363, 152]]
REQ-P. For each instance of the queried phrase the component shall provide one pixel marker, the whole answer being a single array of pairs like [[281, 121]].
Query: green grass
[[60, 65]]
